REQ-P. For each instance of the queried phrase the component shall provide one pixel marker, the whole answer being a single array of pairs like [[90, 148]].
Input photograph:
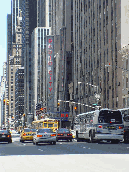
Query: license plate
[[3, 136], [65, 134], [45, 135], [112, 128]]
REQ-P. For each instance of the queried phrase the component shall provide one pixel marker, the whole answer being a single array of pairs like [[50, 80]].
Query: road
[[62, 147], [64, 156]]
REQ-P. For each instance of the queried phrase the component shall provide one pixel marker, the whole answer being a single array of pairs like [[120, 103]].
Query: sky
[[5, 8]]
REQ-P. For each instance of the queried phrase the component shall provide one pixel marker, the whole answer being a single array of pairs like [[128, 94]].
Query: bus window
[[50, 125], [40, 124], [45, 124], [55, 125]]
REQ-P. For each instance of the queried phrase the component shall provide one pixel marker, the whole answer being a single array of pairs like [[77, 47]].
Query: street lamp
[[97, 95]]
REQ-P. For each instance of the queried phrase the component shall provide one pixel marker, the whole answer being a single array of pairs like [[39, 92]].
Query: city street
[[62, 147], [64, 156]]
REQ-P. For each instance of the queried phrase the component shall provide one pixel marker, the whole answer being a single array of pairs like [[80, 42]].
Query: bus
[[46, 123], [99, 125], [125, 116]]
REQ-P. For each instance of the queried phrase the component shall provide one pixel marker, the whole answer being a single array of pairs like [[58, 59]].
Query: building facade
[[15, 61], [19, 93], [38, 65], [61, 24], [97, 39]]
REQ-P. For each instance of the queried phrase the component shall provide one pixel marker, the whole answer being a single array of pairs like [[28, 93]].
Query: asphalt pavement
[[64, 156]]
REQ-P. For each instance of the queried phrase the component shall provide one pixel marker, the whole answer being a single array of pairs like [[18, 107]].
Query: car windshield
[[3, 131], [110, 116], [63, 130], [45, 130], [27, 130]]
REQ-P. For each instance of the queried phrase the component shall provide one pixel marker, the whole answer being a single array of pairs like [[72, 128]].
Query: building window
[[47, 31]]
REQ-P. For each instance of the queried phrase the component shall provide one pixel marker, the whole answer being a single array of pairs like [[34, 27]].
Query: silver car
[[44, 135]]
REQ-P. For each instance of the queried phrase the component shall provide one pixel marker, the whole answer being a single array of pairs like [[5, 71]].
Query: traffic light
[[58, 104], [75, 108], [41, 109], [23, 114], [4, 101]]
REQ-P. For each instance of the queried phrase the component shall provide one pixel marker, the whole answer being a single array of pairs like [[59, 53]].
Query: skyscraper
[[97, 39], [15, 6]]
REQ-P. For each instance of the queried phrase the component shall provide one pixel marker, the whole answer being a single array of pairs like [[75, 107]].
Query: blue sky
[[5, 8]]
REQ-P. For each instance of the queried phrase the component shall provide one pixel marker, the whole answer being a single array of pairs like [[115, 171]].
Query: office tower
[[4, 96], [19, 94], [15, 6], [61, 24], [9, 49], [97, 39], [29, 22], [38, 64], [15, 60]]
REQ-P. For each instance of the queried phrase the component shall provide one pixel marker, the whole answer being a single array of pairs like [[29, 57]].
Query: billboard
[[50, 72]]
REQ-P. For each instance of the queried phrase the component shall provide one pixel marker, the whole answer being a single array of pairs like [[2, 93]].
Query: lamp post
[[60, 111], [97, 95]]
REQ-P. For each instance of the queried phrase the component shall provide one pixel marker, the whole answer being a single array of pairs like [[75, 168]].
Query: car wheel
[[71, 140], [126, 136], [57, 140], [78, 140], [36, 143], [33, 143], [54, 143], [114, 141], [10, 141], [22, 141], [91, 137]]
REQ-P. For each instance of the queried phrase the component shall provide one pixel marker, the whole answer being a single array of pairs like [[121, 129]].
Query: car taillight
[[24, 134], [120, 127], [69, 134], [39, 135], [8, 135], [60, 134], [99, 126], [53, 134]]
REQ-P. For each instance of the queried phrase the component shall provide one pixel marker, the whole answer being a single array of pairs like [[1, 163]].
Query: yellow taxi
[[27, 134]]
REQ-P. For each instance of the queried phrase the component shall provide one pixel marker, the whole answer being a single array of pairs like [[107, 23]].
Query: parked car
[[44, 135], [64, 134], [27, 134], [5, 136]]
